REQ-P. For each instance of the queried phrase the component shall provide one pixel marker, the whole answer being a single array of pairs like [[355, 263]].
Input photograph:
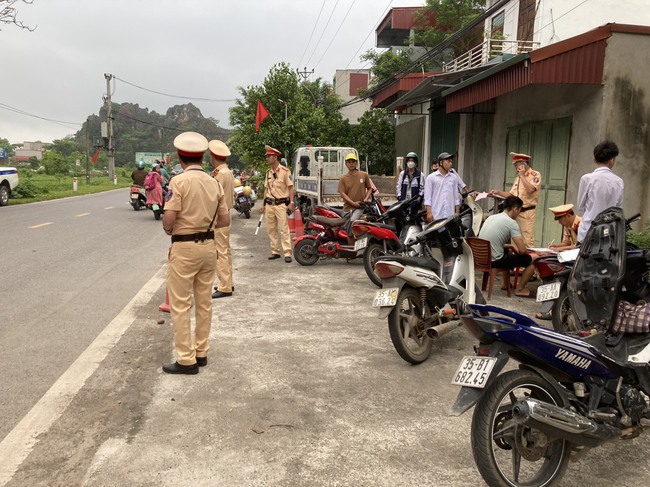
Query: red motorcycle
[[324, 236]]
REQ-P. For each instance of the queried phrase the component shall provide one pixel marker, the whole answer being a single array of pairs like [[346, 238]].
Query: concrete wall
[[483, 137], [626, 121], [353, 112]]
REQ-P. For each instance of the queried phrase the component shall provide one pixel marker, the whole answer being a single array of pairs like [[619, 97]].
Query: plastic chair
[[482, 252]]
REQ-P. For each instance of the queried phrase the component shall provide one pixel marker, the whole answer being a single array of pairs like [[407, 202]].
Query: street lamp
[[285, 108]]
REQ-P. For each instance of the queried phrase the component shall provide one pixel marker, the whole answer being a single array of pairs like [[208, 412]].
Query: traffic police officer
[[570, 222], [195, 203], [222, 173], [526, 186], [278, 200]]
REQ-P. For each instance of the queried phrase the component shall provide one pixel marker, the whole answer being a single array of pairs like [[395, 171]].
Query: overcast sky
[[195, 48]]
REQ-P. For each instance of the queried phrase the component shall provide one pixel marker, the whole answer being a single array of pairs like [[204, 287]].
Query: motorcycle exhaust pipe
[[558, 422], [437, 331]]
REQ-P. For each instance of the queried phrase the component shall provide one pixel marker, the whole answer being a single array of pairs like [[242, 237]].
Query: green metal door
[[444, 133], [548, 144]]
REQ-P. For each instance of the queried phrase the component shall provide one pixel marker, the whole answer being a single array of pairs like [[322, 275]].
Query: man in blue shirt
[[600, 189]]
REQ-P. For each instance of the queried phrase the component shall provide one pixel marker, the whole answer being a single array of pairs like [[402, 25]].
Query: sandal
[[527, 294], [543, 316]]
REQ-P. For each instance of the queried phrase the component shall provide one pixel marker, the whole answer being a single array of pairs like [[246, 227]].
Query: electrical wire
[[336, 33], [175, 129], [27, 114], [323, 33], [173, 96], [312, 33]]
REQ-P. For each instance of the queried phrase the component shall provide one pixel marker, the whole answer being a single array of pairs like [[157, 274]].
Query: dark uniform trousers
[[191, 270]]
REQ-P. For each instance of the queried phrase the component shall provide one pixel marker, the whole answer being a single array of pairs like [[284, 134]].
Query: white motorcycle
[[423, 297]]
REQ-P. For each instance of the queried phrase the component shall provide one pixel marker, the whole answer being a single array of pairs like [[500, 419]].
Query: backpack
[[149, 182]]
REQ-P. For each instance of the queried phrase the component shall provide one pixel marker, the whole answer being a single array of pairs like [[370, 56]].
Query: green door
[[548, 144], [444, 134]]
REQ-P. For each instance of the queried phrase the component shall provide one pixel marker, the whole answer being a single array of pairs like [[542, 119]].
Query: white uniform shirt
[[441, 194]]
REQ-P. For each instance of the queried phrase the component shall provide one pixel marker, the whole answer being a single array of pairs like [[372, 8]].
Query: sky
[[190, 48]]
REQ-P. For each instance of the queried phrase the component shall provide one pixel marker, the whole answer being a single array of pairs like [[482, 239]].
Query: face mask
[[410, 164]]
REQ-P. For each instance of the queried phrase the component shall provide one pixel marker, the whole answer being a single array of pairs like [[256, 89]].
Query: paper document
[[568, 255], [480, 196]]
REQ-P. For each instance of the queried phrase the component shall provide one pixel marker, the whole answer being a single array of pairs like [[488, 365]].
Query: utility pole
[[109, 122], [87, 149], [304, 73]]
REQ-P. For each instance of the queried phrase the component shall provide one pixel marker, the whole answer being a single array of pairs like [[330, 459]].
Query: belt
[[194, 237], [528, 208], [276, 201]]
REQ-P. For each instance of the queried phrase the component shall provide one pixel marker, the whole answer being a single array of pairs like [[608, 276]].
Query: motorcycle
[[422, 297], [244, 200], [138, 197], [380, 238], [473, 220], [555, 271], [571, 392], [324, 237]]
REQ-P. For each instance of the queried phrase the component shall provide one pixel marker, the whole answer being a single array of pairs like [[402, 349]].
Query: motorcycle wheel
[[305, 252], [406, 329], [373, 251], [247, 213], [508, 455], [562, 316], [157, 214]]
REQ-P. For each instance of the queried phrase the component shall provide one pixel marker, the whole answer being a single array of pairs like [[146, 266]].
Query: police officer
[[570, 222], [195, 205], [219, 152], [278, 200], [527, 186]]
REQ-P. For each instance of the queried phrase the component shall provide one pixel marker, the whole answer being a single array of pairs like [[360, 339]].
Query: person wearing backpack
[[153, 185]]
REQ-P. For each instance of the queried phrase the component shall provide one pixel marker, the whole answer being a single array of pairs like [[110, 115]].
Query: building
[[347, 83], [547, 82]]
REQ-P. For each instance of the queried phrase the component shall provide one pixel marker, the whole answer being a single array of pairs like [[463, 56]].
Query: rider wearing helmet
[[355, 188], [139, 174], [410, 182]]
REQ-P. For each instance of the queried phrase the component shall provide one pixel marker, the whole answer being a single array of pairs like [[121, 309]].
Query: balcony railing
[[486, 52]]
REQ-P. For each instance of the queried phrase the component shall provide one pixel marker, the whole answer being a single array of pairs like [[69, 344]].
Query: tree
[[55, 163], [4, 144], [386, 64], [66, 146], [8, 13], [375, 139], [450, 16], [311, 109]]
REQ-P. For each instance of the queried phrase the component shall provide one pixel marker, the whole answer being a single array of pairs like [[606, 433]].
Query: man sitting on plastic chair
[[500, 230]]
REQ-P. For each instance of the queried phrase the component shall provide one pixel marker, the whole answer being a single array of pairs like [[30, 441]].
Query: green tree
[[450, 16], [66, 146], [375, 139], [386, 64], [55, 163], [311, 110], [4, 144]]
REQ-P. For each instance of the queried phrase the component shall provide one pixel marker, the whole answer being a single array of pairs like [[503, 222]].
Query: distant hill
[[140, 130]]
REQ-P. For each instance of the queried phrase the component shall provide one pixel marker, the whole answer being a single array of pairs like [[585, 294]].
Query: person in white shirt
[[600, 189], [441, 197]]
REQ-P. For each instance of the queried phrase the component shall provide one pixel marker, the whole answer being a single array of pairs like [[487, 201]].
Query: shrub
[[640, 239]]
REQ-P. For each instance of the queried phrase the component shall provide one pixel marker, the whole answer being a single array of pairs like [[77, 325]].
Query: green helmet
[[141, 165], [413, 155]]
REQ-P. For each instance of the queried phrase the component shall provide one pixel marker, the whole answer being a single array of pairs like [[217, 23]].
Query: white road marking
[[83, 214], [42, 225], [20, 441], [109, 207]]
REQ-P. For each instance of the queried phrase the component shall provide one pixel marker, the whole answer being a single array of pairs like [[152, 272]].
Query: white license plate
[[155, 207], [548, 291], [362, 243], [134, 196], [386, 297], [474, 371]]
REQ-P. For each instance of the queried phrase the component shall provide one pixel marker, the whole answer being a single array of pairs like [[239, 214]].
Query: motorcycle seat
[[338, 211], [381, 225], [425, 262], [330, 222]]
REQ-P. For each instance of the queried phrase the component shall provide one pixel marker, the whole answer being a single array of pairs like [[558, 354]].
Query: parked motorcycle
[[555, 271], [324, 237], [472, 220], [424, 296], [569, 393], [243, 200], [138, 197], [387, 235]]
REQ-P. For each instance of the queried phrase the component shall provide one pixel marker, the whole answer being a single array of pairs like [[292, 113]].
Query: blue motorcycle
[[570, 392]]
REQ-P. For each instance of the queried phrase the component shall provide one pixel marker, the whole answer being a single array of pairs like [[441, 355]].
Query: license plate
[[243, 199], [134, 196], [474, 371], [155, 207], [362, 243], [386, 297], [548, 291]]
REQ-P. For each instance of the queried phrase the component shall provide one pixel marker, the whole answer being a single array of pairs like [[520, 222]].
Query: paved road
[[303, 388], [68, 267]]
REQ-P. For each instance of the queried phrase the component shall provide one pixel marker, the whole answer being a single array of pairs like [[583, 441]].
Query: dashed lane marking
[[42, 225], [83, 214]]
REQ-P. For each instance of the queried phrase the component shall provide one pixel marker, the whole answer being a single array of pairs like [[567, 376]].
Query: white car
[[8, 181]]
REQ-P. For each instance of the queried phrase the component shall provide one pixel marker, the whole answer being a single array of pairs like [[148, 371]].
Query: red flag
[[261, 114], [96, 156]]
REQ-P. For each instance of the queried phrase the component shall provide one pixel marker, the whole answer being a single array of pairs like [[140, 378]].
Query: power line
[[176, 129], [336, 33], [323, 33], [312, 32], [173, 96], [27, 114]]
